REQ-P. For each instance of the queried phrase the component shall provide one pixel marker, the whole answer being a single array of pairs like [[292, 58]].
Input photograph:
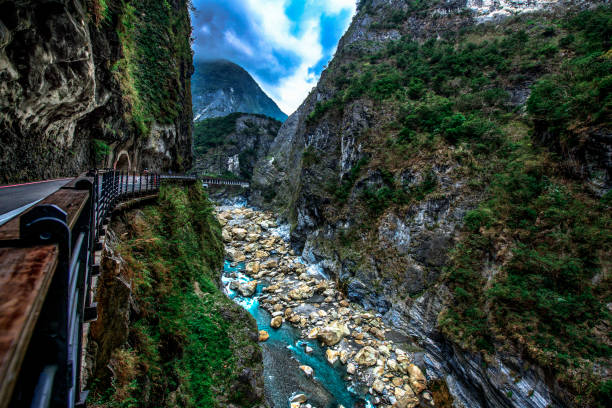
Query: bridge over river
[[51, 237]]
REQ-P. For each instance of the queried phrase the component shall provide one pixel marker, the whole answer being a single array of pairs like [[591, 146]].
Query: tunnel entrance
[[123, 162]]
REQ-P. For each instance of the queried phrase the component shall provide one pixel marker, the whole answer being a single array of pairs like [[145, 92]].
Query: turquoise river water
[[284, 352]]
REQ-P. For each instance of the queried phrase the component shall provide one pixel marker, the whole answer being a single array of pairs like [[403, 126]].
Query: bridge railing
[[209, 180], [48, 259], [225, 182]]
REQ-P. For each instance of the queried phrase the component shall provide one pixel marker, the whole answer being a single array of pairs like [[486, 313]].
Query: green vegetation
[[378, 200], [547, 235], [544, 300], [100, 150], [246, 158], [188, 342], [213, 132], [100, 12], [309, 156], [320, 109], [341, 192], [154, 36], [580, 94], [217, 139]]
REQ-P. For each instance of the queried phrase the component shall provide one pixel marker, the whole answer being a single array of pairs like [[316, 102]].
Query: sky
[[283, 44]]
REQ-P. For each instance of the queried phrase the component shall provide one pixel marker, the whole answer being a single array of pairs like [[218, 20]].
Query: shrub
[[428, 114], [547, 102], [321, 108], [475, 219], [406, 135], [101, 150], [341, 191], [309, 157], [378, 200], [386, 85], [213, 132], [416, 88]]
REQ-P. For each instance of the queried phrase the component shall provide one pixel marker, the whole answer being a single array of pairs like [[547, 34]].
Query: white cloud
[[337, 6], [237, 43], [205, 29], [274, 28]]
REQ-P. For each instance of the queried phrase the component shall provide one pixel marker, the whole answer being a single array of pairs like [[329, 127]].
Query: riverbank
[[295, 304]]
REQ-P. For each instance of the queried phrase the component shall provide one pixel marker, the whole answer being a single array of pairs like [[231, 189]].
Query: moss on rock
[[188, 345]]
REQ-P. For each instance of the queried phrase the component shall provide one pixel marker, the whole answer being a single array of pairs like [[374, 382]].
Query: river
[[324, 352]]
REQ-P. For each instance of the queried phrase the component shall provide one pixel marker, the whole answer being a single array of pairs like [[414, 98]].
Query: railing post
[[47, 224], [115, 186]]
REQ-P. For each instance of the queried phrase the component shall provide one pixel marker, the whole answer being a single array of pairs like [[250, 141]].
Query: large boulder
[[270, 264], [367, 356], [307, 370], [235, 255], [378, 386], [302, 292], [247, 289], [332, 356], [299, 398], [332, 334], [276, 322], [263, 335], [405, 398], [252, 268], [417, 380], [239, 233], [259, 254]]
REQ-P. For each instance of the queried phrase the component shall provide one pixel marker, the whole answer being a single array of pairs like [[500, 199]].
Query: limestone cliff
[[87, 83], [449, 170], [233, 144]]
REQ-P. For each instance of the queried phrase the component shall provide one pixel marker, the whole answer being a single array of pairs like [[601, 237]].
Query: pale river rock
[[295, 295]]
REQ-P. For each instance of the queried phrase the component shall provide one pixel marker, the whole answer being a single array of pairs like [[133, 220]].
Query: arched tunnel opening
[[123, 162]]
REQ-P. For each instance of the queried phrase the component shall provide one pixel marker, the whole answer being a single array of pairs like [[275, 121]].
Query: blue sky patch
[[284, 44]]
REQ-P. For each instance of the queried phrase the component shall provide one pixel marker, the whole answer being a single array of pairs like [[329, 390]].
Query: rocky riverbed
[[294, 303]]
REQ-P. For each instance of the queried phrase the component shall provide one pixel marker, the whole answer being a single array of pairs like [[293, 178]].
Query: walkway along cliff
[[52, 262]]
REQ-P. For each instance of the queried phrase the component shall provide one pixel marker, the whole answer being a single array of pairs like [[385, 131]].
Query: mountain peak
[[220, 87]]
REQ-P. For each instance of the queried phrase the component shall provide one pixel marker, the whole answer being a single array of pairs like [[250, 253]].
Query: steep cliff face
[[445, 171], [166, 334], [221, 87], [84, 82], [233, 144]]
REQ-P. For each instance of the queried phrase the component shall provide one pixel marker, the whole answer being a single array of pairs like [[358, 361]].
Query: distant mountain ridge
[[221, 87]]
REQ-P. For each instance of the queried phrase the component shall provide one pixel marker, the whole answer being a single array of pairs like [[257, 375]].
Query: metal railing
[[209, 180], [50, 372], [225, 182]]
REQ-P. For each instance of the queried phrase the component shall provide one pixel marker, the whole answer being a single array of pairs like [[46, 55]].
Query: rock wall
[[239, 142], [394, 262], [166, 335], [68, 70]]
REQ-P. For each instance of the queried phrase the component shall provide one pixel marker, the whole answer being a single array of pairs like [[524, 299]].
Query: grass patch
[[189, 344]]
